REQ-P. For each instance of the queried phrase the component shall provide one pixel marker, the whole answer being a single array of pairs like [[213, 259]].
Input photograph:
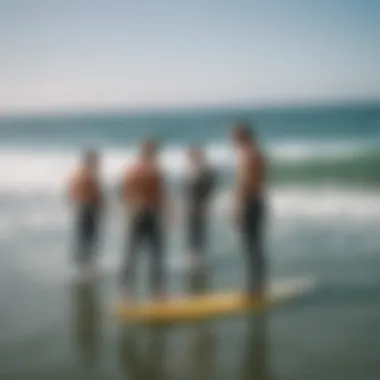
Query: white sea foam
[[320, 150], [323, 203], [27, 170]]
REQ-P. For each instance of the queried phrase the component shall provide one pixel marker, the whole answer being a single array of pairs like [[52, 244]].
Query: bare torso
[[85, 188], [143, 187], [250, 175]]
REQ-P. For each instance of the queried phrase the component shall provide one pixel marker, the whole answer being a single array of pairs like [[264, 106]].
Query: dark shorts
[[196, 232], [145, 228], [252, 218], [86, 231], [252, 228]]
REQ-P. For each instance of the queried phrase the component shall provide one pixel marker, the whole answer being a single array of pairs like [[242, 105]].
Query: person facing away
[[199, 187], [249, 206], [144, 194], [86, 194]]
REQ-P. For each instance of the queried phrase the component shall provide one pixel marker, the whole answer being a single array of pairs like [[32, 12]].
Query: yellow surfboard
[[206, 306]]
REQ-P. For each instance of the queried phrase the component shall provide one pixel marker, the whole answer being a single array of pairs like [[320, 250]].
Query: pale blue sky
[[152, 53]]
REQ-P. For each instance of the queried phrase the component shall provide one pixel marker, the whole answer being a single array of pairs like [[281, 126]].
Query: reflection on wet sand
[[202, 341], [150, 362], [86, 320], [254, 362], [144, 351], [137, 364], [255, 357]]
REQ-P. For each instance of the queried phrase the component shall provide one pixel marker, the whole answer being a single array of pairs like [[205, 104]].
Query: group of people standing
[[144, 194]]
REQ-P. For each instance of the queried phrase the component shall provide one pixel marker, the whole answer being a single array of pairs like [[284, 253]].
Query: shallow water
[[323, 218]]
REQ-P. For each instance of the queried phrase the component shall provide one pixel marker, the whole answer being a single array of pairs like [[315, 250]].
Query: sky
[[84, 54]]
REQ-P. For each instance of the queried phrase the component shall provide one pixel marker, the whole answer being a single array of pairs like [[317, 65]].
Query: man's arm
[[240, 184]]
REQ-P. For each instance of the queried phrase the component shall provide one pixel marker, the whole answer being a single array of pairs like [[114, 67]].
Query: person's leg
[[258, 251], [91, 226], [248, 247], [254, 232], [251, 238], [155, 239], [191, 234], [129, 265], [81, 237], [197, 241]]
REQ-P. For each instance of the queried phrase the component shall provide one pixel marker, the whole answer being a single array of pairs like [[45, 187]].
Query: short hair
[[89, 155], [194, 148], [196, 151], [149, 144], [149, 140], [242, 131]]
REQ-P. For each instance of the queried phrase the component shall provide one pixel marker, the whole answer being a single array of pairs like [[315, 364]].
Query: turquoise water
[[324, 216]]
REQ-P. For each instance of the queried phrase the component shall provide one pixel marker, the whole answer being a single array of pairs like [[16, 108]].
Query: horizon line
[[121, 109]]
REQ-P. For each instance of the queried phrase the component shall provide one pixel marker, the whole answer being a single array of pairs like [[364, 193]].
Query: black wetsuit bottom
[[145, 227], [87, 233], [252, 237], [197, 238]]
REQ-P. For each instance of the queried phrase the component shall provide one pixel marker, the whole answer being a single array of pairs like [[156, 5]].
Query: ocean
[[323, 222]]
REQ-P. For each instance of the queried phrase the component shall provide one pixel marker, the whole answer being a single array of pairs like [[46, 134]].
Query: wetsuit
[[198, 190], [251, 227], [87, 231], [145, 227]]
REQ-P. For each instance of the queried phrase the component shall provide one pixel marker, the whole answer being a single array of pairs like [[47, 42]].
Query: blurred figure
[[199, 188], [249, 207], [86, 194], [86, 322], [144, 194]]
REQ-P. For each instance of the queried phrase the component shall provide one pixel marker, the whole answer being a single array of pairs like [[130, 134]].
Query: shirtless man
[[143, 192], [86, 194], [249, 210]]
